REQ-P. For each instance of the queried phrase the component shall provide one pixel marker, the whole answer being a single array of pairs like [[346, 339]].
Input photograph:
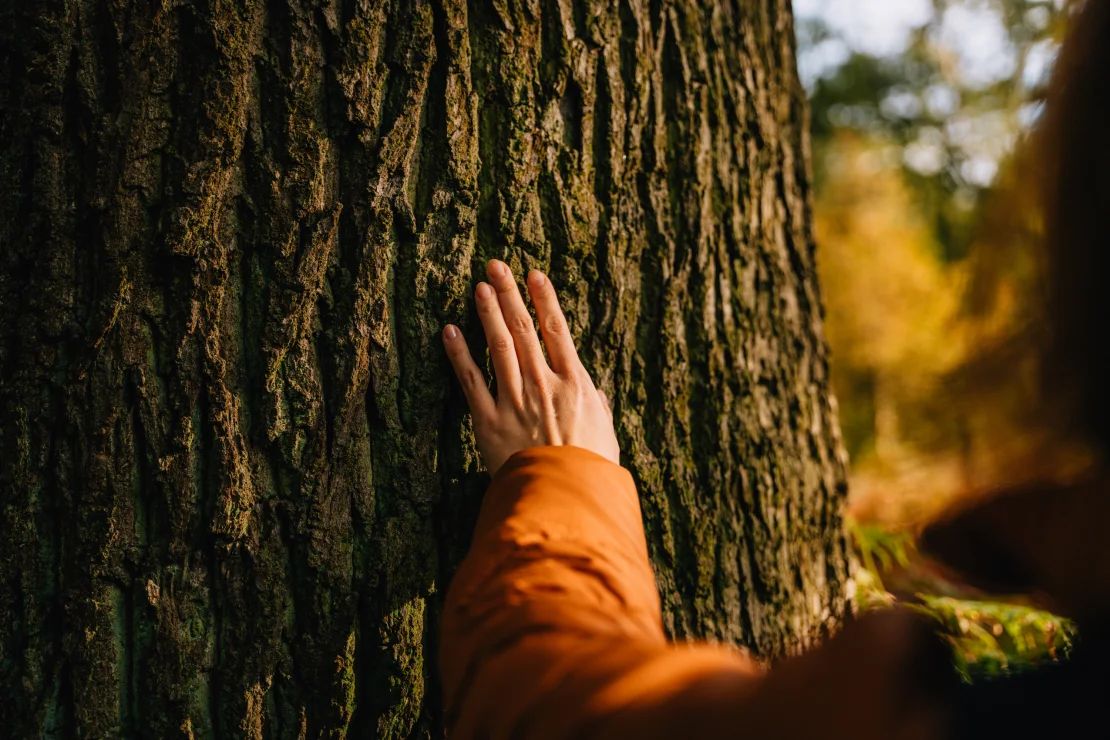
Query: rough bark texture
[[236, 477]]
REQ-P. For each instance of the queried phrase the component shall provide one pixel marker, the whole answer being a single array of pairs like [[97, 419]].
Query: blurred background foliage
[[924, 115], [927, 224]]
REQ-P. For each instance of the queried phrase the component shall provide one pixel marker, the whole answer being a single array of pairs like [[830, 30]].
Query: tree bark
[[236, 473]]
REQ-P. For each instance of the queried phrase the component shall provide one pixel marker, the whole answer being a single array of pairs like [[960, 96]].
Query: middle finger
[[525, 340]]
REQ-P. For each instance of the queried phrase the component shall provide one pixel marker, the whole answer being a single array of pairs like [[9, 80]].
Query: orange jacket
[[552, 626]]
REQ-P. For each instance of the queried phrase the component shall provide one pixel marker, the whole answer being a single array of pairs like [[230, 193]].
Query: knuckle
[[501, 345], [577, 381], [472, 379], [554, 325], [540, 385], [484, 420], [518, 403], [537, 402], [521, 325]]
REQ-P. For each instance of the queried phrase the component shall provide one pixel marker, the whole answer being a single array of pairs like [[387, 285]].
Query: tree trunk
[[236, 473]]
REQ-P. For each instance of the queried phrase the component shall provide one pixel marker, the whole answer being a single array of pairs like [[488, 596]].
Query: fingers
[[471, 378], [553, 324], [500, 342], [516, 317]]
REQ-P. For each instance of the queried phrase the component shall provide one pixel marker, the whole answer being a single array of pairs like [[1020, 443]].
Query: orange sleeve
[[552, 625]]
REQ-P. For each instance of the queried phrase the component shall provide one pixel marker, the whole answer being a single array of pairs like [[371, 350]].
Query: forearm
[[552, 626]]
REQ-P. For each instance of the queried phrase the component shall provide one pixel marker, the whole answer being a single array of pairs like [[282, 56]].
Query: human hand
[[537, 404]]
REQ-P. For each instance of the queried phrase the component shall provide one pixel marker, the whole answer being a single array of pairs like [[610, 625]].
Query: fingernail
[[536, 277], [450, 331], [484, 290], [497, 267]]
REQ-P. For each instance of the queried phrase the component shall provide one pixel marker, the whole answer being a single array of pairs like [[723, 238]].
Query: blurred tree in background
[[927, 223]]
